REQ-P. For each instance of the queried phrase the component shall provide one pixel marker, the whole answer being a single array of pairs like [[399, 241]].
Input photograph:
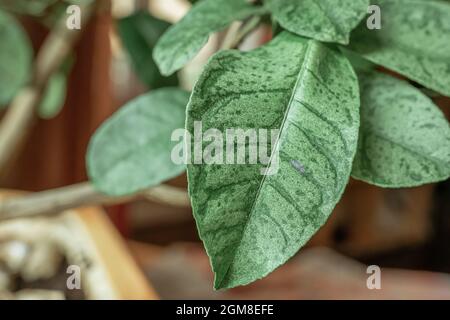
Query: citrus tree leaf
[[185, 39], [131, 151], [324, 20], [15, 57], [54, 96], [139, 33], [414, 40], [252, 223], [404, 137]]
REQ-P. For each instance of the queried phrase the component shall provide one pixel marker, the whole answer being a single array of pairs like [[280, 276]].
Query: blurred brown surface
[[183, 272], [367, 221], [54, 153]]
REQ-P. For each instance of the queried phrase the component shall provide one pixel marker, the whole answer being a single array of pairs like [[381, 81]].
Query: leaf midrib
[[310, 46]]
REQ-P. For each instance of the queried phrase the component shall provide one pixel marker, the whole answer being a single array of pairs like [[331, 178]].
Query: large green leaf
[[414, 40], [139, 33], [132, 150], [15, 57], [185, 39], [324, 20], [251, 223], [404, 138]]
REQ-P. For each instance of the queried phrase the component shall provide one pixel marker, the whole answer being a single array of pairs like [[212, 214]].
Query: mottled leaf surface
[[404, 138], [414, 40], [185, 39], [15, 57], [324, 20], [139, 33], [251, 224], [132, 150]]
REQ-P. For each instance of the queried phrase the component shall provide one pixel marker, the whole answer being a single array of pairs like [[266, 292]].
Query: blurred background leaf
[[56, 91], [27, 7], [131, 151], [15, 57], [139, 33], [54, 96]]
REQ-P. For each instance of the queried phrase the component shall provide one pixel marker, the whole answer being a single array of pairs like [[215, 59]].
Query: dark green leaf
[[404, 138], [131, 151], [15, 57], [185, 39], [250, 223], [139, 33], [414, 40], [324, 20]]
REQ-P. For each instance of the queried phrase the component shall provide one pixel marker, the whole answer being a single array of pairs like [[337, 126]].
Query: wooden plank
[[127, 279], [116, 272]]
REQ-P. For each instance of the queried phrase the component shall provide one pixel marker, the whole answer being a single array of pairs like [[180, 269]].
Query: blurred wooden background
[[368, 221]]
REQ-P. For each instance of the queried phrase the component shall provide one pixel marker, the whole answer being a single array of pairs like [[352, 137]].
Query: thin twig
[[238, 31], [54, 201], [20, 115]]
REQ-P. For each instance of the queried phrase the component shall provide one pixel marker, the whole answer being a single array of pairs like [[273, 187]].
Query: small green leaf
[[185, 39], [414, 40], [252, 223], [139, 33], [131, 151], [323, 20], [15, 58], [404, 137], [54, 96]]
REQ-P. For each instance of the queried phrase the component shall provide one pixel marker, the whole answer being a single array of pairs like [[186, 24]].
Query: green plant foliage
[[250, 223], [414, 40], [324, 20], [404, 138], [15, 57], [132, 150], [139, 33], [29, 7], [358, 62], [54, 96], [55, 92], [185, 39], [80, 2]]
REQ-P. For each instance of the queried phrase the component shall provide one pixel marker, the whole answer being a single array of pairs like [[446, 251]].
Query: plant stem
[[79, 195], [237, 33], [20, 115]]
